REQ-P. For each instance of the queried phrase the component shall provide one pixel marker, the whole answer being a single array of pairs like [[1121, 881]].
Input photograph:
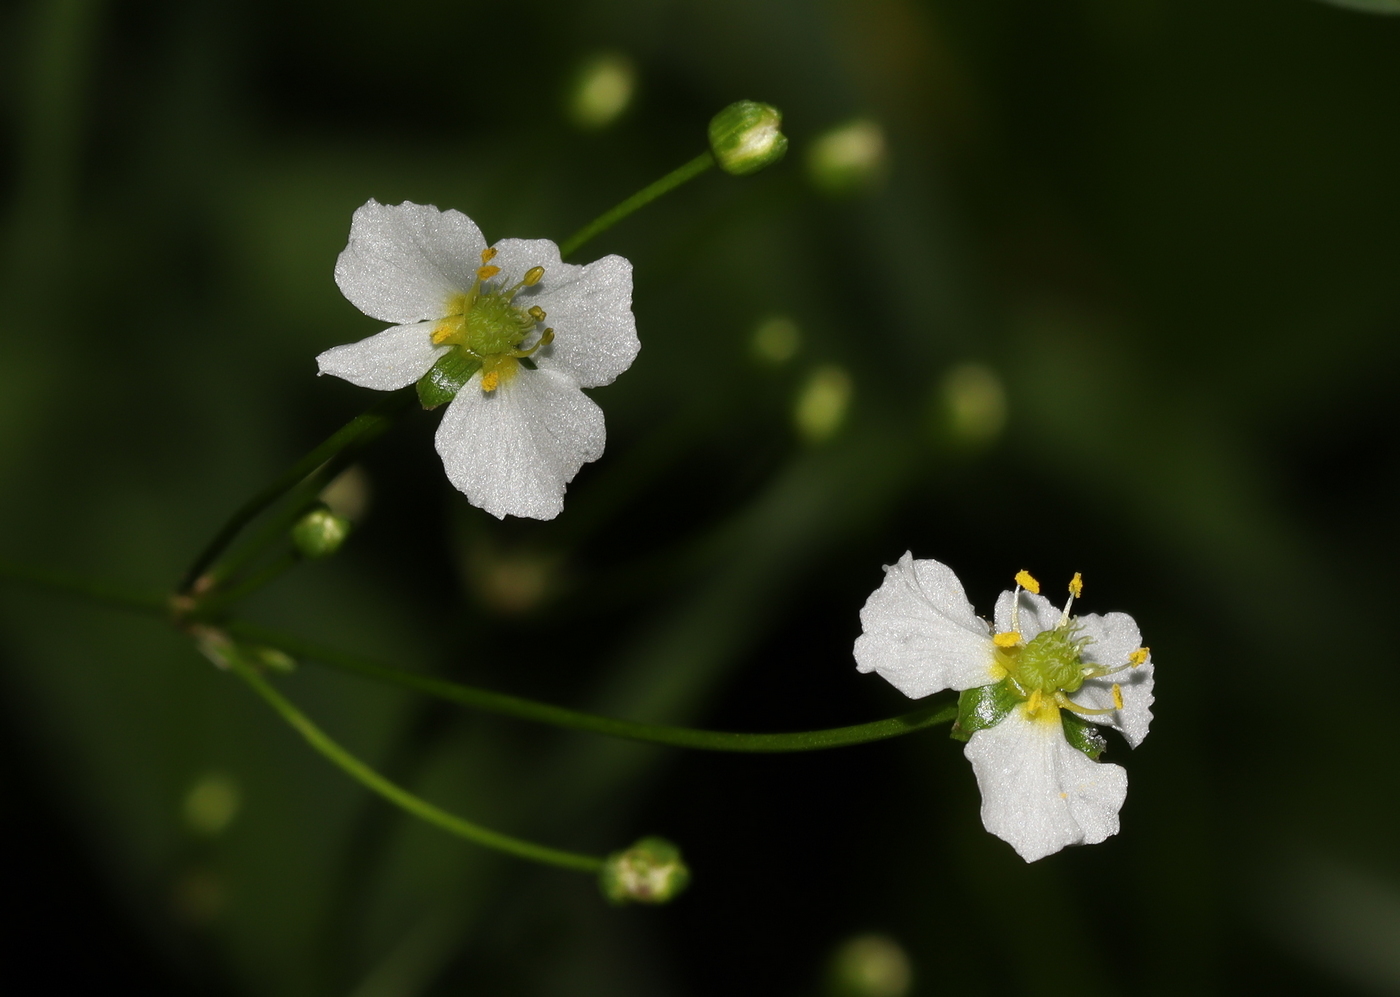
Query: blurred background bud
[[869, 966], [650, 872], [320, 533], [822, 403], [211, 804], [601, 90], [349, 493], [198, 896], [510, 582], [970, 405], [848, 158], [776, 339], [745, 137], [269, 657]]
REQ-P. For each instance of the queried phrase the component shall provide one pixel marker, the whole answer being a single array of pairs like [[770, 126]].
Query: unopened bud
[[320, 533], [745, 137], [650, 872]]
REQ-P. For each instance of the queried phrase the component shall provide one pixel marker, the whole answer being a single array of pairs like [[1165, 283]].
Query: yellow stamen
[[487, 255], [1009, 639], [1024, 579], [1033, 704], [1117, 696], [486, 273], [1138, 657], [441, 334], [490, 380], [532, 276], [1076, 585], [537, 313], [1074, 707]]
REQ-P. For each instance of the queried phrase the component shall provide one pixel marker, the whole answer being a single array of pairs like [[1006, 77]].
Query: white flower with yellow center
[[1031, 687], [469, 327]]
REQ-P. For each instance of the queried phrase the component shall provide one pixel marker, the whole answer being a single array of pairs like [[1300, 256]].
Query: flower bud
[[745, 137], [320, 533], [650, 872]]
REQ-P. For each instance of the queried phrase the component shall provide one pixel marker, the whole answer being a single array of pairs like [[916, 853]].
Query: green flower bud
[[320, 533], [745, 137], [650, 872]]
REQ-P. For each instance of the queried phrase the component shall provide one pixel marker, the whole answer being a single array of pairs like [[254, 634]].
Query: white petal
[[1037, 614], [385, 361], [514, 449], [1038, 793], [921, 634], [1116, 636], [405, 261], [589, 308]]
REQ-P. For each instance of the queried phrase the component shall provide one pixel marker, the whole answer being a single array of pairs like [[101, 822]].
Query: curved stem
[[558, 716], [211, 607], [641, 199], [399, 796], [341, 445], [99, 592]]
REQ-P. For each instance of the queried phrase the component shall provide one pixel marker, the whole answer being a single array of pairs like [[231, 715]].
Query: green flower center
[[485, 325], [1050, 663]]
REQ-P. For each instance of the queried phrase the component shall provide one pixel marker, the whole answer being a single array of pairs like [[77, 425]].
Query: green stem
[[107, 595], [527, 709], [346, 441], [211, 607], [641, 199], [401, 797]]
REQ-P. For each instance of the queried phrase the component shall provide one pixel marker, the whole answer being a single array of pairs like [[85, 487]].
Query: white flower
[[1039, 792], [516, 433]]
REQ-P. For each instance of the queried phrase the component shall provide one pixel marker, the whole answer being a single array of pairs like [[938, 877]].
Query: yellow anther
[[1033, 704], [1117, 696], [487, 255], [1024, 579], [486, 273], [532, 276], [1076, 585], [490, 380], [1138, 657], [537, 313], [546, 338], [1009, 639], [441, 334]]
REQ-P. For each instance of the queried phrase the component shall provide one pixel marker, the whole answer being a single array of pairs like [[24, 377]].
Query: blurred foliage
[[1160, 236]]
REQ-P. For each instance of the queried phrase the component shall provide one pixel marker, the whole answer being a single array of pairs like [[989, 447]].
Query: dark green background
[[1171, 226]]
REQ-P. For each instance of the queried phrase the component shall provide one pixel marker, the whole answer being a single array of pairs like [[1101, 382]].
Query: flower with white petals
[[1032, 685], [469, 326]]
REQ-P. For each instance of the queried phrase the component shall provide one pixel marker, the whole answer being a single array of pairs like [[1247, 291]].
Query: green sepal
[[441, 384], [983, 707], [1082, 734]]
